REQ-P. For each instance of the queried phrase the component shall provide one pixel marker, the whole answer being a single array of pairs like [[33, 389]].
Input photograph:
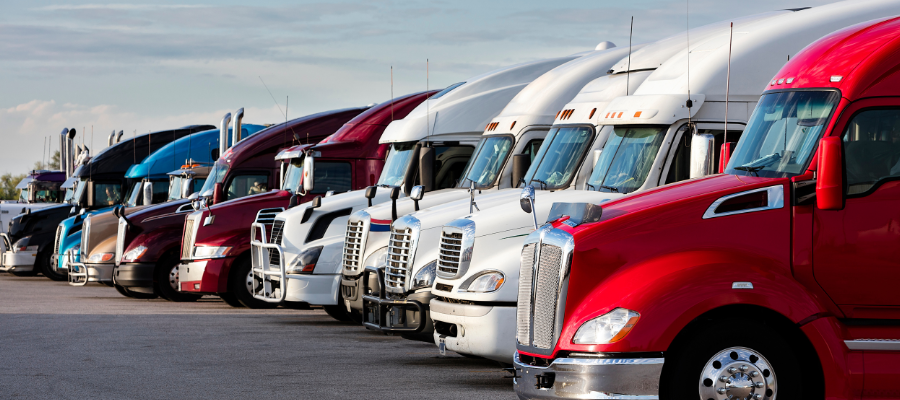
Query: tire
[[166, 277], [231, 300], [45, 266], [239, 284], [728, 357], [134, 295], [338, 312]]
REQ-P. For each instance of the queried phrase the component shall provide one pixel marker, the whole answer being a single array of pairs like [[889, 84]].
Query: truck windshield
[[133, 194], [484, 167], [626, 158], [395, 165], [79, 192], [783, 133], [293, 174], [559, 156], [216, 175], [175, 183]]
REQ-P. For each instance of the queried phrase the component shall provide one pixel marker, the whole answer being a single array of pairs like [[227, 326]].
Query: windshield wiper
[[543, 184], [610, 188], [591, 186]]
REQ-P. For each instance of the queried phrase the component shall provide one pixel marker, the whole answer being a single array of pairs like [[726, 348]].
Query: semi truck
[[773, 279], [215, 247], [98, 182], [148, 241], [39, 189], [95, 258]]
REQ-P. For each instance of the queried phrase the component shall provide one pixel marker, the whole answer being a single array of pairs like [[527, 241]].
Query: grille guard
[[262, 270], [78, 273], [382, 306]]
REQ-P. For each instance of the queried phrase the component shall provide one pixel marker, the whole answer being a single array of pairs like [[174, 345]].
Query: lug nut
[[757, 396], [754, 374], [720, 390], [723, 378], [760, 385], [744, 368], [732, 370]]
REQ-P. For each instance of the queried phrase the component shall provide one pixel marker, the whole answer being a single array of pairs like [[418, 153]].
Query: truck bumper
[[204, 276], [101, 273], [135, 275], [313, 289], [407, 315], [17, 261], [352, 291], [480, 330], [589, 378]]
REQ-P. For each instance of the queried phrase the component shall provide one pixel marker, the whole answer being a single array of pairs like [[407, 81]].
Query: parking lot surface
[[64, 342]]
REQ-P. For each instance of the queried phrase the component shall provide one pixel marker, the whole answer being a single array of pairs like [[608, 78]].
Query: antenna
[[392, 92], [728, 80], [273, 97], [44, 153], [687, 32], [427, 108], [628, 71]]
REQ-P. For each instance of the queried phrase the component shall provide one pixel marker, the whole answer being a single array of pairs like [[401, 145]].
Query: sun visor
[[23, 184]]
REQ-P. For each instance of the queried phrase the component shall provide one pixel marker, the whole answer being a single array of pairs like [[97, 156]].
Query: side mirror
[[596, 157], [308, 170], [702, 155], [370, 193], [725, 156], [218, 193], [90, 194], [520, 164], [526, 201], [193, 196], [426, 170], [316, 202], [186, 187], [294, 201], [830, 175], [416, 194], [395, 194], [329, 193], [148, 193]]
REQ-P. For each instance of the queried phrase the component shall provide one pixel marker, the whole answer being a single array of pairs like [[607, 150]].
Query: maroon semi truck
[[215, 252], [148, 242]]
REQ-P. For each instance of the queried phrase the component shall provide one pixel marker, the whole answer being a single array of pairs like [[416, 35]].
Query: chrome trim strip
[[775, 198], [873, 344]]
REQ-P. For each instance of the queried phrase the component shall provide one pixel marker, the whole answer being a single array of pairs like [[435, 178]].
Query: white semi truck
[[431, 145], [655, 138]]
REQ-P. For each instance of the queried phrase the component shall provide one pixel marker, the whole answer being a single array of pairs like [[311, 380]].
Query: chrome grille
[[398, 261], [277, 231], [187, 241], [85, 235], [546, 294], [58, 242], [450, 252], [267, 215], [120, 240], [354, 244], [523, 306]]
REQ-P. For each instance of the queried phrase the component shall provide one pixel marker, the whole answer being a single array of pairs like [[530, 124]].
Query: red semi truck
[[149, 240], [215, 253], [776, 278]]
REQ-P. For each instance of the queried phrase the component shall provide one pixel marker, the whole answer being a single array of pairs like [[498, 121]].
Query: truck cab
[[38, 190], [215, 237], [747, 284], [151, 182]]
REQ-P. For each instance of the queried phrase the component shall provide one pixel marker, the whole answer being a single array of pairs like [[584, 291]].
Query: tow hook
[[545, 380]]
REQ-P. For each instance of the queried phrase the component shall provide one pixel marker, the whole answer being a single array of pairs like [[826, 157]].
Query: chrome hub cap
[[738, 373], [173, 278]]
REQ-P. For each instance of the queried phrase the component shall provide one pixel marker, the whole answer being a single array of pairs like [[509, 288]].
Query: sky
[[147, 66]]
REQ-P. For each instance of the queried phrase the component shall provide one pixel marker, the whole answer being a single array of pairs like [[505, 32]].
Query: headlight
[[378, 259], [201, 252], [305, 262], [22, 245], [134, 253], [484, 283], [101, 257], [607, 328], [425, 277]]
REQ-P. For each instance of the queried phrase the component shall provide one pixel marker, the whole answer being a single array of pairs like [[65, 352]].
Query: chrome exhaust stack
[[119, 136], [70, 152], [223, 134], [236, 126], [111, 138], [63, 139]]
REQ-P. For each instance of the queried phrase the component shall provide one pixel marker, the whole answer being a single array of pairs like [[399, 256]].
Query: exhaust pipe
[[70, 152], [109, 140], [62, 151], [119, 137], [236, 126], [223, 134]]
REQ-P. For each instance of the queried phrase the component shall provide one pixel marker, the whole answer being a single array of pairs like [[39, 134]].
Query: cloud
[[25, 126]]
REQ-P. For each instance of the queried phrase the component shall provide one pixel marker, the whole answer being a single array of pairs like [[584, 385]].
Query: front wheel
[[45, 264], [732, 360], [240, 284], [167, 281]]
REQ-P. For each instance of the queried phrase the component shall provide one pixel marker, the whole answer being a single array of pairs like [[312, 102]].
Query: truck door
[[856, 251]]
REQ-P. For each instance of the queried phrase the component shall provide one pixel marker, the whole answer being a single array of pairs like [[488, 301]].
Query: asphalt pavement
[[63, 342]]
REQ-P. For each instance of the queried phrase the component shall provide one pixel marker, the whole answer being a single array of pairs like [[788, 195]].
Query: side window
[[531, 148], [245, 185], [680, 169], [107, 194], [872, 149], [449, 164], [198, 184], [160, 192], [334, 176]]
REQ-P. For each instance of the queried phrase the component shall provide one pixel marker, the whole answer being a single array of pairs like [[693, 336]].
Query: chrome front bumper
[[589, 378]]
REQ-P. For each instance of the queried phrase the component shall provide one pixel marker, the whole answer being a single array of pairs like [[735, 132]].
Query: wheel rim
[[738, 373], [250, 282], [173, 278]]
